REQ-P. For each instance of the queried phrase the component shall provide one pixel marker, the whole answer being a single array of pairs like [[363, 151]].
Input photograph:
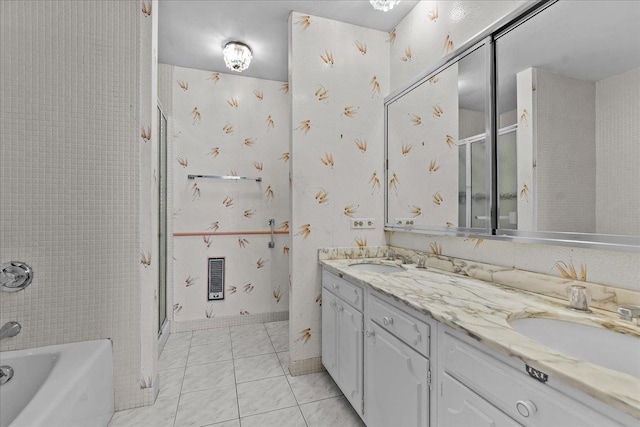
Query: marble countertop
[[483, 310]]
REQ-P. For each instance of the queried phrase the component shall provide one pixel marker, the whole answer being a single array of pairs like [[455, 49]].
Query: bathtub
[[60, 385]]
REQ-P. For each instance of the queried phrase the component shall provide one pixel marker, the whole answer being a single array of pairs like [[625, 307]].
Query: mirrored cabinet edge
[[487, 38]]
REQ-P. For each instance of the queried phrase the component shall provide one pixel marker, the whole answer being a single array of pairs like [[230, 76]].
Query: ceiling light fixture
[[237, 56], [384, 5]]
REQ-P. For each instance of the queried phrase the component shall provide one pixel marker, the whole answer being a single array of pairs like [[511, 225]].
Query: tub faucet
[[10, 329]]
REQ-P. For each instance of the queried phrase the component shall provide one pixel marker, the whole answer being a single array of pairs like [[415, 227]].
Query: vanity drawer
[[408, 329], [519, 396], [347, 291]]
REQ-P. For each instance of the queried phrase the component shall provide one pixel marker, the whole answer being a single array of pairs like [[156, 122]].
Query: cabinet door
[[397, 389], [329, 333], [350, 353], [459, 406]]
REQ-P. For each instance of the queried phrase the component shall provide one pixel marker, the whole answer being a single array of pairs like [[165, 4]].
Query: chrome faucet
[[629, 312], [392, 256], [10, 329]]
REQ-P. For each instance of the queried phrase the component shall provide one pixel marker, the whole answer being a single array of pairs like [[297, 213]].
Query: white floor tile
[[178, 340], [265, 395], [210, 336], [331, 413], [284, 361], [247, 331], [173, 358], [312, 387], [277, 328], [257, 367], [160, 414], [171, 382], [280, 342], [252, 346], [288, 417], [209, 375], [232, 423], [212, 406], [210, 353]]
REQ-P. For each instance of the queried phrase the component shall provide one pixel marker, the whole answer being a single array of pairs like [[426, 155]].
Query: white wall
[[565, 154], [618, 154], [71, 108]]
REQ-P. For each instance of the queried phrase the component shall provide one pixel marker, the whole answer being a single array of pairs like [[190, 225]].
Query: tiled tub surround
[[482, 310]]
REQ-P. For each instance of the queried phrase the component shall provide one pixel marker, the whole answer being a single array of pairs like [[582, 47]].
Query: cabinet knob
[[387, 321], [340, 308], [369, 334], [334, 286], [526, 408]]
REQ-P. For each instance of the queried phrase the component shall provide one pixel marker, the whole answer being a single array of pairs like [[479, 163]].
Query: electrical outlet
[[403, 221], [361, 223]]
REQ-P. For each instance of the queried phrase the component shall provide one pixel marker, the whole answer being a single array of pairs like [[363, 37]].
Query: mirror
[[436, 149], [569, 87], [567, 132]]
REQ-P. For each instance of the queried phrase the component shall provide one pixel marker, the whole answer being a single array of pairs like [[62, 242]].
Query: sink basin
[[376, 268], [600, 346]]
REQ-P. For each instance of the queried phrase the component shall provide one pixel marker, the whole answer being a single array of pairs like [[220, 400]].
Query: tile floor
[[238, 376]]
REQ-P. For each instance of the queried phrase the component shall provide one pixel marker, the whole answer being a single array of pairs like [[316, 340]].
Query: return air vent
[[216, 278]]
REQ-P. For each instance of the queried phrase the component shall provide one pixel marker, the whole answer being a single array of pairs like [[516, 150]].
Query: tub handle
[[15, 276]]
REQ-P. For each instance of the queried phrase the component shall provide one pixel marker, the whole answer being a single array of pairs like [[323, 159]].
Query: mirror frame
[[487, 38]]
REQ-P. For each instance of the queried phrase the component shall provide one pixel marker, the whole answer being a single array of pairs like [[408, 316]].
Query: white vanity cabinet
[[397, 376], [342, 339], [479, 387]]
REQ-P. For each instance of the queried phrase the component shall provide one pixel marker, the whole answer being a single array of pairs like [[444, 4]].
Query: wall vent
[[216, 278]]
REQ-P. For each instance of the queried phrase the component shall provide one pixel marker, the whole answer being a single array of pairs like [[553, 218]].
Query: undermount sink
[[604, 347], [376, 268]]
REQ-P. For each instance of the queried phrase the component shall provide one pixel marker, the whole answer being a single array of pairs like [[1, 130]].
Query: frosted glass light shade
[[384, 5], [237, 56]]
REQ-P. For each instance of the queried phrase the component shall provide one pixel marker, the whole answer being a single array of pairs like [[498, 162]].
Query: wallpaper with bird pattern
[[339, 76], [230, 125]]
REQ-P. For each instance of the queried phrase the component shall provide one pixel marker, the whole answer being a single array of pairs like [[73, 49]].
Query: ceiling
[[192, 33]]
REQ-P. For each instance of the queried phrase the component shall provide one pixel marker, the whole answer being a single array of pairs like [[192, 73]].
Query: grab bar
[[229, 177]]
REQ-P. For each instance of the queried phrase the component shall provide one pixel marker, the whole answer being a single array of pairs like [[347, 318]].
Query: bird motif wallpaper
[[339, 76], [422, 152], [433, 29], [229, 125]]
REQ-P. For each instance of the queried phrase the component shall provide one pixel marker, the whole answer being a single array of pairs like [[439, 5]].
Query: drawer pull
[[526, 408], [418, 339], [387, 321]]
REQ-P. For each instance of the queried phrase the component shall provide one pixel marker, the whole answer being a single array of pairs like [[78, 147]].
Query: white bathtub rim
[[70, 366]]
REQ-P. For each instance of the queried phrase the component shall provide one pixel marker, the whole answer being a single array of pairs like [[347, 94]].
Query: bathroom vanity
[[419, 347]]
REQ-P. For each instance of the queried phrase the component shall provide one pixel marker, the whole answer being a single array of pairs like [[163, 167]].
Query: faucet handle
[[391, 255], [578, 298], [629, 312]]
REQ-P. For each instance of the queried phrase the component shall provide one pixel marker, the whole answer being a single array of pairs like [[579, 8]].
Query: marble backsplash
[[604, 297]]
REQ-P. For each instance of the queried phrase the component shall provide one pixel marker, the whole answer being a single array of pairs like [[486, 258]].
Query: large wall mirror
[[436, 148], [555, 152]]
